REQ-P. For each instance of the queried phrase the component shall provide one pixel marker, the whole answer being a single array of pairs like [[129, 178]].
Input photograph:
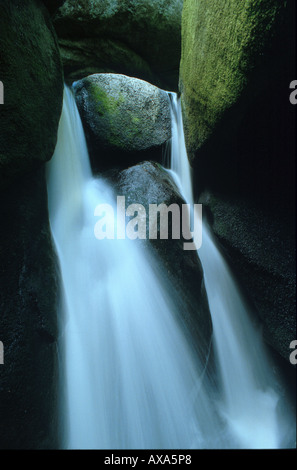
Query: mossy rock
[[31, 71], [125, 119], [223, 43]]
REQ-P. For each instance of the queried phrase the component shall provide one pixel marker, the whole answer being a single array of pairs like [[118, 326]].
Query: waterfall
[[131, 378], [251, 398]]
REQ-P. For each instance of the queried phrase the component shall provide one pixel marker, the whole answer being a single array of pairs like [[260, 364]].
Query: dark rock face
[[53, 5], [148, 183], [31, 72], [240, 133], [261, 250], [139, 38], [28, 299], [126, 120]]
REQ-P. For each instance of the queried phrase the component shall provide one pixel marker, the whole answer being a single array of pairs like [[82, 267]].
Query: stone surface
[[221, 45], [139, 38], [126, 120], [237, 63], [53, 5], [31, 71], [148, 183], [238, 59], [28, 330], [260, 249]]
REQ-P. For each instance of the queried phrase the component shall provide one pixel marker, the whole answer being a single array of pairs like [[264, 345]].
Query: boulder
[[260, 249], [135, 37], [221, 46], [31, 72], [237, 63], [148, 183], [126, 120], [28, 322], [32, 76]]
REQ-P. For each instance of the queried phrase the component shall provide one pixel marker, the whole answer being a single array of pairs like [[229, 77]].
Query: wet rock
[[148, 183], [126, 120]]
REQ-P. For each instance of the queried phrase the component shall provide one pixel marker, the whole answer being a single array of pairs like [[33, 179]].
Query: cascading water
[[251, 395], [132, 380]]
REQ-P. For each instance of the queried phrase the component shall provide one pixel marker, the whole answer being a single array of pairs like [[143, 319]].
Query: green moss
[[222, 42], [112, 108], [105, 102]]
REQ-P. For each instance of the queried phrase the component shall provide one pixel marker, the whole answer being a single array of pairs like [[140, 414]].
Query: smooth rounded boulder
[[126, 120]]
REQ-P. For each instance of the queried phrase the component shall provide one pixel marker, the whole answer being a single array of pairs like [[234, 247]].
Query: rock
[[135, 37], [53, 5], [31, 71], [221, 45], [148, 183], [28, 329], [237, 63], [106, 55], [261, 251], [126, 120], [236, 67]]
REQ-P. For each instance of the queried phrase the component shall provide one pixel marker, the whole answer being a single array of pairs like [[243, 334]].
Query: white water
[[131, 378], [250, 395]]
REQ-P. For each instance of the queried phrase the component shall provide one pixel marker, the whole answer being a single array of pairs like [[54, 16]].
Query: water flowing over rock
[[251, 389], [136, 37], [132, 377], [262, 250], [148, 183], [126, 120]]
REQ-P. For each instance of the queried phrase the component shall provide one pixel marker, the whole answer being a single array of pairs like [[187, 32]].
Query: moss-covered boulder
[[148, 183], [126, 120], [139, 38], [238, 60], [222, 43], [30, 69], [237, 63], [31, 72]]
